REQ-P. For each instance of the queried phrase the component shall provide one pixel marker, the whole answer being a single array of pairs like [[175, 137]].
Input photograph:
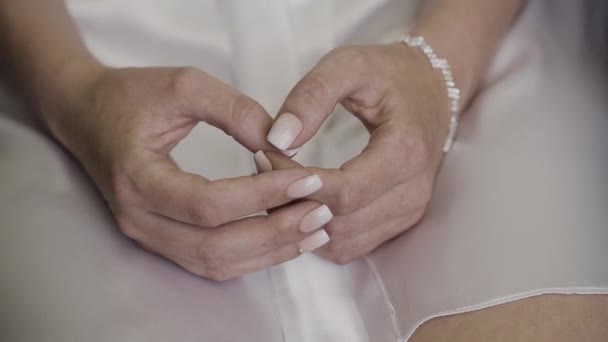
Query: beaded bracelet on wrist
[[453, 92]]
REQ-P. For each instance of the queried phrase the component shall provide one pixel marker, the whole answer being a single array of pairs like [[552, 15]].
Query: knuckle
[[195, 214], [355, 57], [342, 259], [218, 274], [313, 91], [215, 274], [196, 270], [242, 108], [279, 224], [184, 80], [338, 254], [418, 215], [337, 227], [122, 188], [347, 201], [128, 228], [205, 214], [147, 247]]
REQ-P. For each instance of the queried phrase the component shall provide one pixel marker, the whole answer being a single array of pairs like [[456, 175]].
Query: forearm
[[467, 33], [43, 54]]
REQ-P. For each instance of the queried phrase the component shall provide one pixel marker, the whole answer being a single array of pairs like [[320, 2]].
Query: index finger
[[390, 158], [193, 199], [238, 247]]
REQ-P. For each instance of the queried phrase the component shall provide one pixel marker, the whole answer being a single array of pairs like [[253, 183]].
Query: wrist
[[467, 70], [57, 96], [467, 34]]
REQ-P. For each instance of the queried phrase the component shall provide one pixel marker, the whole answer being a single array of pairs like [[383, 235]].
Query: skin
[[559, 318], [121, 124], [385, 190]]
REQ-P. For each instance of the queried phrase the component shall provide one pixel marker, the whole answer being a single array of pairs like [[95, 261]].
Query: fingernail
[[304, 187], [284, 131], [314, 241], [262, 162], [292, 152], [316, 219]]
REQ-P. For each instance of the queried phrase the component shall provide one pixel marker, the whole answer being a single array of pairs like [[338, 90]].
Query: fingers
[[399, 202], [359, 233], [253, 236], [218, 104], [238, 247], [345, 251], [314, 98], [404, 199], [393, 156], [258, 263], [192, 199]]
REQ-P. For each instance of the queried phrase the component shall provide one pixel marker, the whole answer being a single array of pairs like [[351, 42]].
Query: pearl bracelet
[[453, 92]]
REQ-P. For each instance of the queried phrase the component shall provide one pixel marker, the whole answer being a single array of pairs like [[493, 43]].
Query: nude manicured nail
[[292, 152], [304, 187], [284, 131], [316, 219], [262, 162], [314, 241]]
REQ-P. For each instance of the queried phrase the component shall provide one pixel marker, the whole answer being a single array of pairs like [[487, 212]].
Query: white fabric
[[519, 207]]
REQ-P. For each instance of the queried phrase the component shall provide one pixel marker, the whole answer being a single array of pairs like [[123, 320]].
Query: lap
[[553, 318], [83, 223]]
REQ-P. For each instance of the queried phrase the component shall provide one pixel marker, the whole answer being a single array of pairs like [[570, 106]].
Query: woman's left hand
[[385, 190]]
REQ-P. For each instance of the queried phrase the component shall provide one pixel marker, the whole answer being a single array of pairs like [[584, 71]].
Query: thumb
[[312, 100]]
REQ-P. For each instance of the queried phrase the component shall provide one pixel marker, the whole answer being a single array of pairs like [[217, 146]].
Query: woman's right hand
[[121, 125]]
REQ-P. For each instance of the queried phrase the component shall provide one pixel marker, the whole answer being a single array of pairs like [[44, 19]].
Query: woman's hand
[[122, 123], [402, 101]]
